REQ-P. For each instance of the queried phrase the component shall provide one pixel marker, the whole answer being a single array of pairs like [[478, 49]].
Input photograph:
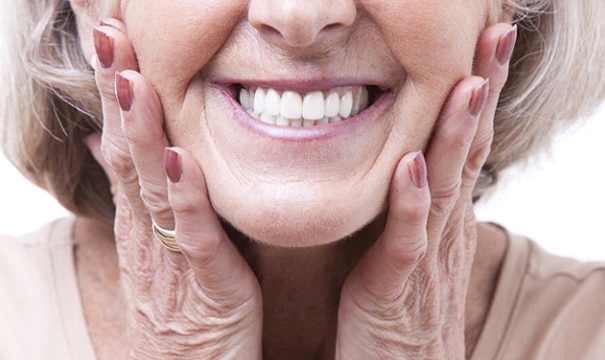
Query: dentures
[[291, 108]]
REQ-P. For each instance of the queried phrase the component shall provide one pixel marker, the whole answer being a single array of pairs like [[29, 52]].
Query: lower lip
[[309, 133]]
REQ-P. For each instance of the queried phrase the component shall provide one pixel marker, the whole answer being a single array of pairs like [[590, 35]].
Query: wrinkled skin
[[404, 295]]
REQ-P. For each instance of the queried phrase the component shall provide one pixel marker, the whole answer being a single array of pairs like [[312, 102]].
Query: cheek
[[173, 40], [433, 39], [435, 42]]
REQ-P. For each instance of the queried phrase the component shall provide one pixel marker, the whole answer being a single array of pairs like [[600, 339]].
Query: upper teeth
[[289, 108]]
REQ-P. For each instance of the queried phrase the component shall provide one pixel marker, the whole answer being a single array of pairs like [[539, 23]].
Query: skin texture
[[396, 288], [334, 187]]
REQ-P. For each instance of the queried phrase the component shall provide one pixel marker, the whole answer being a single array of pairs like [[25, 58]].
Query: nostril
[[296, 23], [269, 30]]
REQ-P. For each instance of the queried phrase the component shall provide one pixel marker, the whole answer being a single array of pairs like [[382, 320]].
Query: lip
[[312, 133], [308, 85]]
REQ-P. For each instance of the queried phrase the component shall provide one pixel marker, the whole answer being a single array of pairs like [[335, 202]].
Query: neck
[[301, 290], [301, 286]]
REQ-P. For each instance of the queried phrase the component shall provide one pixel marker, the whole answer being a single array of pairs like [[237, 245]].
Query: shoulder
[[548, 306], [543, 265], [27, 261], [38, 292], [56, 233]]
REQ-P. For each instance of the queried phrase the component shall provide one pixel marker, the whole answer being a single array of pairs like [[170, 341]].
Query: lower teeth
[[282, 121]]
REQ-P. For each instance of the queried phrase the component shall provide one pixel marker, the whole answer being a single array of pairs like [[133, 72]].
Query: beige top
[[545, 307]]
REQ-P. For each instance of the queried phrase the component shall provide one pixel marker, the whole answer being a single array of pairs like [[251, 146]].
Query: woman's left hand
[[406, 296]]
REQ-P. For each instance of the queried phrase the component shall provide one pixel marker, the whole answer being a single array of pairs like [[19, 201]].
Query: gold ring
[[166, 237]]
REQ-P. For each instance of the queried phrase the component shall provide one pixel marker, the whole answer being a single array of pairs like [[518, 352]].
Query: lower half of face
[[298, 144]]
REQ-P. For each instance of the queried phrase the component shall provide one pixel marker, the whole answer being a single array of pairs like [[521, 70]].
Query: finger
[[448, 151], [143, 125], [492, 59], [381, 274], [221, 271], [114, 53]]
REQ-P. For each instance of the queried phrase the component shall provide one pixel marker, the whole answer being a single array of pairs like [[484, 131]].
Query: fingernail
[[418, 170], [124, 92], [173, 166], [478, 99], [103, 47], [506, 45]]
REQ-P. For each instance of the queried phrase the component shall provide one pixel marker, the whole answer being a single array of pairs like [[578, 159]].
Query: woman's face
[[283, 183]]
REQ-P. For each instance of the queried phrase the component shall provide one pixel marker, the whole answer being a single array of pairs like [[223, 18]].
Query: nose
[[301, 23]]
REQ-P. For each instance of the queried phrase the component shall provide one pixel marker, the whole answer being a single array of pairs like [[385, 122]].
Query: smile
[[294, 109]]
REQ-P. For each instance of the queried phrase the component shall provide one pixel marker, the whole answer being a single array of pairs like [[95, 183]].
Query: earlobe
[[85, 20], [88, 13], [93, 143]]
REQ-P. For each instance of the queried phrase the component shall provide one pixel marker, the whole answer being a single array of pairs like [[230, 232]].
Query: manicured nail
[[418, 170], [124, 92], [506, 45], [478, 99], [173, 166], [103, 47]]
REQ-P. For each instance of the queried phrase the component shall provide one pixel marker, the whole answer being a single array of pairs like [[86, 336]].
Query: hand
[[204, 303], [405, 299]]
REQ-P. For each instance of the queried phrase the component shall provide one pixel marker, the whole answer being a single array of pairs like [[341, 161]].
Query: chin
[[299, 221]]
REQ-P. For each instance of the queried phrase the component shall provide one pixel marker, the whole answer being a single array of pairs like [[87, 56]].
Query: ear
[[88, 14], [499, 11], [93, 143], [85, 20]]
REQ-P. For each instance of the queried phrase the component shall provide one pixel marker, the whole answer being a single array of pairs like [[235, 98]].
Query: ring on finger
[[166, 237]]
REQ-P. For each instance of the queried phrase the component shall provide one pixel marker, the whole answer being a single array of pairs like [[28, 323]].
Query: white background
[[559, 200]]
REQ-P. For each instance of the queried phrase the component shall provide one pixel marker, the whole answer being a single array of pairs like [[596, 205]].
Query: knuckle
[[456, 247], [203, 249], [483, 141], [470, 173], [106, 89], [184, 207], [410, 251], [459, 138], [476, 159], [105, 84], [415, 212], [155, 199], [443, 201], [117, 159]]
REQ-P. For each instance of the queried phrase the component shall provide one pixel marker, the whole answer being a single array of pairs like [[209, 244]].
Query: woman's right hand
[[204, 302]]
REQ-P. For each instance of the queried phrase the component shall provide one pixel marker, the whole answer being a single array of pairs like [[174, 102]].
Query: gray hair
[[50, 103]]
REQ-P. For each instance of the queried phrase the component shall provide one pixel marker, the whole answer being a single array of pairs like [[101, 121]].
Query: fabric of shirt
[[545, 306]]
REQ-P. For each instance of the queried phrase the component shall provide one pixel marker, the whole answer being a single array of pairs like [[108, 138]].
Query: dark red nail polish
[[478, 99], [173, 166], [506, 45], [418, 170], [103, 47], [124, 92]]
